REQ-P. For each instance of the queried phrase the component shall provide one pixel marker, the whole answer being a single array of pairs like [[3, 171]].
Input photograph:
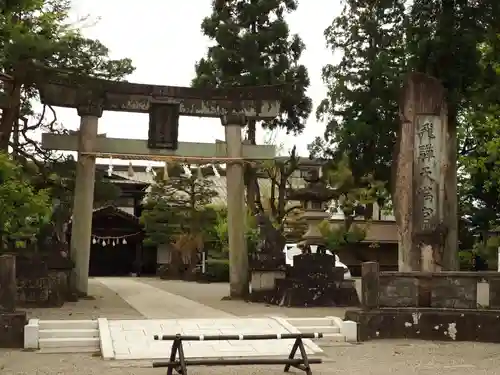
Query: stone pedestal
[[263, 284], [12, 329]]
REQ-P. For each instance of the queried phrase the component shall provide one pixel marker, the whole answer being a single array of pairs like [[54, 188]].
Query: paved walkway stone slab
[[154, 303], [133, 339]]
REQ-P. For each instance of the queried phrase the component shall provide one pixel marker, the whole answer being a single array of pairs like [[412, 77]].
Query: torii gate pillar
[[83, 200], [238, 253]]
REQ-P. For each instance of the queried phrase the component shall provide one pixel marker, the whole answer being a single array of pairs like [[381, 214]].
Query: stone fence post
[[8, 287], [370, 285]]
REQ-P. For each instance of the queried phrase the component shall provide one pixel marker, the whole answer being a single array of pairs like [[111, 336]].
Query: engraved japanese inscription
[[163, 126], [427, 159]]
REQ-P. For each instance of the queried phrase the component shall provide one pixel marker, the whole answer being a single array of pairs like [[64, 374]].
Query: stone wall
[[45, 291], [458, 290], [452, 306], [43, 281], [11, 321]]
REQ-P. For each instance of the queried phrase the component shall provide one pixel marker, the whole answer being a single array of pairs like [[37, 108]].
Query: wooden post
[[8, 287], [238, 253], [81, 229], [369, 285], [422, 205]]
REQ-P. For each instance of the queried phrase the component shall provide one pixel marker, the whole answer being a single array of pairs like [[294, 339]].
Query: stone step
[[68, 324], [76, 342], [325, 330], [307, 322], [67, 333], [69, 349]]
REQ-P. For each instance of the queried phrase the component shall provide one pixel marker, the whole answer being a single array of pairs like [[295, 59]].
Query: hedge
[[217, 270]]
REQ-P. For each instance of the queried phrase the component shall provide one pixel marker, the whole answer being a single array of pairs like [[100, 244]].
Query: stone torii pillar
[[236, 208], [83, 200]]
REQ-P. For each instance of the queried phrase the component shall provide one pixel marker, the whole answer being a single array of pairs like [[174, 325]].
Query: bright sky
[[163, 39]]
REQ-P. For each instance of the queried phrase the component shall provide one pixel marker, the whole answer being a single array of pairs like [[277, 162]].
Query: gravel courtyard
[[372, 358]]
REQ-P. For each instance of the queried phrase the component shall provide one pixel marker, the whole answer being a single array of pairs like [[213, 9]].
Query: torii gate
[[90, 96]]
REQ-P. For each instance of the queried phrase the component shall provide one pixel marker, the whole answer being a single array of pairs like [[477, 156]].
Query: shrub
[[217, 270]]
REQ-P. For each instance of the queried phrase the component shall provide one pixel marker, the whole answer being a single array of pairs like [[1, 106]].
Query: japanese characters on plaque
[[427, 162]]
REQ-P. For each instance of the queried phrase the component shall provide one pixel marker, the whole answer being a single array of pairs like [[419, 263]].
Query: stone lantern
[[314, 199]]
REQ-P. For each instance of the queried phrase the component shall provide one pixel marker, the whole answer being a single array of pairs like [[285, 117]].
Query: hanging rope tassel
[[216, 172], [110, 168], [199, 173], [187, 170], [130, 171]]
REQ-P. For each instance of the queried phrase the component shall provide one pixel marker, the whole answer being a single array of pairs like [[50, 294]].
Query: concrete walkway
[[154, 303]]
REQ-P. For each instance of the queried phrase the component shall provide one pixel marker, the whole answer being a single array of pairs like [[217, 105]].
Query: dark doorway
[[116, 247], [111, 260]]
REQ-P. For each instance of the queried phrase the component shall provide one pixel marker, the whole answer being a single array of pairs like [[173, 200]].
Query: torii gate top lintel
[[72, 90]]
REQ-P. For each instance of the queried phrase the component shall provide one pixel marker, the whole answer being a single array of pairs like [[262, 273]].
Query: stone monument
[[425, 206], [12, 322]]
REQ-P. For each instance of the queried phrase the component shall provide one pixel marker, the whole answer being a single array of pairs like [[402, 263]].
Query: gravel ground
[[212, 294], [103, 303], [374, 358]]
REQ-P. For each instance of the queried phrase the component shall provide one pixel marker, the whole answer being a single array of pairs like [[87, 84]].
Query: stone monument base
[[479, 325], [12, 329]]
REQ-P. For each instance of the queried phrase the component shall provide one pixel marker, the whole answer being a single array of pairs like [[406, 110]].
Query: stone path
[[133, 339], [171, 314], [154, 303]]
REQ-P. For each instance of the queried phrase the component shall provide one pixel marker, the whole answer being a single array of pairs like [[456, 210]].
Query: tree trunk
[[450, 254], [10, 114], [251, 180]]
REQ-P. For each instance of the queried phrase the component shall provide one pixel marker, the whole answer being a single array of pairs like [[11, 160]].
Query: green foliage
[[177, 205], [24, 210], [60, 185], [487, 250], [222, 235], [355, 199], [279, 173], [337, 237], [253, 46], [361, 107], [217, 270], [466, 260], [40, 32], [455, 42]]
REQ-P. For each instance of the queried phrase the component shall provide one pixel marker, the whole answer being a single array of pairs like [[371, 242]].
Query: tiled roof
[[112, 208]]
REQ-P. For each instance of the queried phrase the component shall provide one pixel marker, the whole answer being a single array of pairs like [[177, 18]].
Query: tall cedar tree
[[442, 39], [361, 107], [253, 46]]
